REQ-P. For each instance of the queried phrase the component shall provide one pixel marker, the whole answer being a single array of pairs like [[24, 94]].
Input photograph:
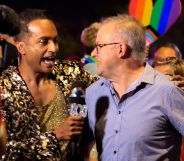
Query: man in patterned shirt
[[37, 94]]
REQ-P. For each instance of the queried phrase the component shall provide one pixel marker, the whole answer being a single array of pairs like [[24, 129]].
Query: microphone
[[77, 108], [77, 100]]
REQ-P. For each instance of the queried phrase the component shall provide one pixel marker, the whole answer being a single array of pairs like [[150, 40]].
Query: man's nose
[[53, 46], [94, 52]]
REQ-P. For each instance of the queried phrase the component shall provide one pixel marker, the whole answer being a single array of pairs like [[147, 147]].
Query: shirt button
[[114, 151]]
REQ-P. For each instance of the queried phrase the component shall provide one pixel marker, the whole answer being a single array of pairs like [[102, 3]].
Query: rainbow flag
[[151, 36], [160, 16], [142, 10], [164, 15]]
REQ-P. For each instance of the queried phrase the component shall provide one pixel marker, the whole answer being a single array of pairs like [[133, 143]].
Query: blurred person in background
[[9, 26], [163, 54], [165, 51], [88, 37], [170, 66]]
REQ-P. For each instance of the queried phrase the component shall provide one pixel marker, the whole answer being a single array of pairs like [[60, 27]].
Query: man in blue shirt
[[134, 112]]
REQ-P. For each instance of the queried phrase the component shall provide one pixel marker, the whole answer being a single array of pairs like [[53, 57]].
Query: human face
[[40, 46], [106, 51], [164, 52]]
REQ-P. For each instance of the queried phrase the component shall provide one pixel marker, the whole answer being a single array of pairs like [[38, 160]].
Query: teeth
[[48, 62]]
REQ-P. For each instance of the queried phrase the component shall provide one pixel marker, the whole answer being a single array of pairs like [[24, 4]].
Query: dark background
[[71, 16]]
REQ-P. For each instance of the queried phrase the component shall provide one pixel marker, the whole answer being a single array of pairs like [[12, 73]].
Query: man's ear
[[20, 47], [124, 51]]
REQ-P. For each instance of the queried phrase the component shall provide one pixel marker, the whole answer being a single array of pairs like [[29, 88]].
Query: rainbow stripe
[[142, 10], [150, 37], [88, 59], [165, 13], [160, 17]]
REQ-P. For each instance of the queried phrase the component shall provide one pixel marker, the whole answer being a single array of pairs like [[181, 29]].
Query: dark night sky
[[72, 16]]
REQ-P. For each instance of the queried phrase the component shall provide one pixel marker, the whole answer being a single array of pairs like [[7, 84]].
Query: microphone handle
[[74, 146], [74, 153]]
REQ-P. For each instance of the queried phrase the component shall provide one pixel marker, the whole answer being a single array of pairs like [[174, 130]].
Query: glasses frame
[[99, 46]]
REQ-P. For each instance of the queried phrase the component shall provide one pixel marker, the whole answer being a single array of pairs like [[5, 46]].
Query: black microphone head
[[77, 92], [77, 99], [77, 89]]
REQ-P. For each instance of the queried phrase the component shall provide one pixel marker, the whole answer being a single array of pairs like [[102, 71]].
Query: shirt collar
[[147, 76]]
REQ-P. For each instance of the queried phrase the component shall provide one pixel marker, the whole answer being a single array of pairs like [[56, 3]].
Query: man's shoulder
[[164, 85], [96, 85], [66, 67], [66, 63], [9, 71], [69, 72], [163, 80]]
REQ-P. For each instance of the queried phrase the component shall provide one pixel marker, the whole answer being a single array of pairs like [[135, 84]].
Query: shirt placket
[[117, 125]]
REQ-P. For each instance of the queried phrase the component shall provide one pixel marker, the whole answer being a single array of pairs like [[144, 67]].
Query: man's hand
[[179, 81], [72, 127]]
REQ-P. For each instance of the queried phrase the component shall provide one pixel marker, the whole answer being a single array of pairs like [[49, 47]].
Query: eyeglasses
[[99, 46]]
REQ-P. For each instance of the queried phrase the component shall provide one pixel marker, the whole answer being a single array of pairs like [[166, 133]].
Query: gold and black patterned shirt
[[26, 139]]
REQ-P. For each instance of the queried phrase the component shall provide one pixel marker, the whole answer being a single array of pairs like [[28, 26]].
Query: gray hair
[[132, 32]]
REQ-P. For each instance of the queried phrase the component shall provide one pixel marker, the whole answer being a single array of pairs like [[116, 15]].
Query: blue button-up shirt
[[145, 124]]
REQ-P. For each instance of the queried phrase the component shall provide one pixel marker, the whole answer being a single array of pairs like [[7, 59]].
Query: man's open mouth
[[49, 58]]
